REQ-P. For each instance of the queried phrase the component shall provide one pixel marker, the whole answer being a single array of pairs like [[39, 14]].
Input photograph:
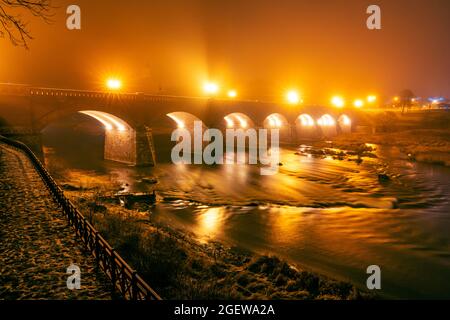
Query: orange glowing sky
[[259, 47]]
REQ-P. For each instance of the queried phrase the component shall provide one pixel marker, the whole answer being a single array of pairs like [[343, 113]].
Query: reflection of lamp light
[[209, 220]]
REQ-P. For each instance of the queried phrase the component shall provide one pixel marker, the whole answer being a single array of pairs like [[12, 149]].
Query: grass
[[424, 145]]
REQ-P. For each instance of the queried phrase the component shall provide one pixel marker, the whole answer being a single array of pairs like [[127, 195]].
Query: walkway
[[36, 243]]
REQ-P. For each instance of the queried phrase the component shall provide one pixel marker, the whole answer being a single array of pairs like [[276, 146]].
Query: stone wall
[[130, 146], [120, 146]]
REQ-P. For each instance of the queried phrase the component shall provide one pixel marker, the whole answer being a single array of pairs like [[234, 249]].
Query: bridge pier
[[132, 146]]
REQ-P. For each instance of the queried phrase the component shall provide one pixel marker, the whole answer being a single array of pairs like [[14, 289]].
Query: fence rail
[[124, 279]]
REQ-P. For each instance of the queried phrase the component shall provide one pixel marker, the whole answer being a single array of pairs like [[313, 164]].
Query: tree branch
[[13, 26]]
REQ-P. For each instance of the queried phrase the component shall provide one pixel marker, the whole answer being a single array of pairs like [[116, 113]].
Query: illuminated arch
[[109, 121], [184, 120], [276, 120], [305, 120], [238, 120], [326, 121], [345, 123], [327, 125]]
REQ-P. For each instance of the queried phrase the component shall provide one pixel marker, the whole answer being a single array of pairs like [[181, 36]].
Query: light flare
[[113, 84], [338, 101], [293, 97]]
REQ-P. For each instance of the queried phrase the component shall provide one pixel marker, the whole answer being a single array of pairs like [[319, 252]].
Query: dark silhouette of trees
[[406, 97], [13, 26]]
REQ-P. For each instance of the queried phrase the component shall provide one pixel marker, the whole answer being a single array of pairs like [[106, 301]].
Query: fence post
[[97, 258], [134, 295], [113, 269], [85, 235]]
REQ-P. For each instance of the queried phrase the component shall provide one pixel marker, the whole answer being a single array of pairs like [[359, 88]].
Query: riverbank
[[179, 266], [422, 145]]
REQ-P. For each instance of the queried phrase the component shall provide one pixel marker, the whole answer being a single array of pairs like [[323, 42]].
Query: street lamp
[[232, 94], [358, 103], [293, 97], [210, 88], [371, 99], [338, 101], [113, 84]]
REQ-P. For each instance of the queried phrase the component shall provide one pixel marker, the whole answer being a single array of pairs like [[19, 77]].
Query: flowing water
[[331, 216]]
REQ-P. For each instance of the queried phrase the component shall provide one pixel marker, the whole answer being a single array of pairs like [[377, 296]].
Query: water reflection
[[325, 214], [210, 221]]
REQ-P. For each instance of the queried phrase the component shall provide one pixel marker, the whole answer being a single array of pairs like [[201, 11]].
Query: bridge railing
[[124, 279]]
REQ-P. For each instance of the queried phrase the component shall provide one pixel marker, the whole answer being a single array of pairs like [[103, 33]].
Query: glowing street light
[[358, 103], [211, 88], [232, 94], [371, 99], [113, 84], [338, 101], [396, 99], [293, 97]]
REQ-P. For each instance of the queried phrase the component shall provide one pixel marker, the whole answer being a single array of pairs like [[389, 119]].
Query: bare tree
[[13, 26], [406, 97]]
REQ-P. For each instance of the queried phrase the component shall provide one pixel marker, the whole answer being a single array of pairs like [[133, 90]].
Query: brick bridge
[[128, 118]]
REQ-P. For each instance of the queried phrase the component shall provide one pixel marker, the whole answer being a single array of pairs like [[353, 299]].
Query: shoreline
[[181, 266], [422, 145]]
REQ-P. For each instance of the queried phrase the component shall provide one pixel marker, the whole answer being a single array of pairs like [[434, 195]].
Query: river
[[326, 215]]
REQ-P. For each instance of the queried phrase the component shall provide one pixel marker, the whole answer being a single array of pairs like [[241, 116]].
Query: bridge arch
[[327, 125], [279, 121], [109, 121], [184, 120], [345, 123], [238, 120], [305, 127]]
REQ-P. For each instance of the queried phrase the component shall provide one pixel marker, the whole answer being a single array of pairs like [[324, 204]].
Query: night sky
[[259, 47]]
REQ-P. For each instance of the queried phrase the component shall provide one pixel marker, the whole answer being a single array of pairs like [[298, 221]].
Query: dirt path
[[36, 243]]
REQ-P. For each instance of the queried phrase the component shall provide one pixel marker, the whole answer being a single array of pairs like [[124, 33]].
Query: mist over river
[[331, 216]]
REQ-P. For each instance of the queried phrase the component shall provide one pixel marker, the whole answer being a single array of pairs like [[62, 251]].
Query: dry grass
[[178, 267]]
